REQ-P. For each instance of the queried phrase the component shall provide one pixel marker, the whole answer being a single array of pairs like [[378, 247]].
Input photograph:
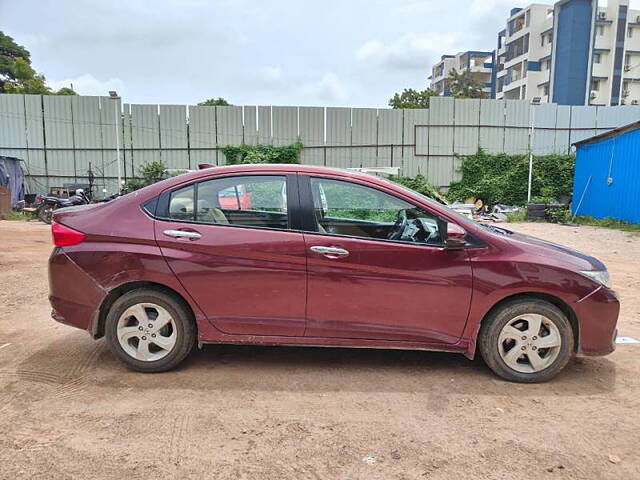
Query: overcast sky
[[268, 52]]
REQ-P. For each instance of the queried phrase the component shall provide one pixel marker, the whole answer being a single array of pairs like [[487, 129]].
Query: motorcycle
[[47, 204]]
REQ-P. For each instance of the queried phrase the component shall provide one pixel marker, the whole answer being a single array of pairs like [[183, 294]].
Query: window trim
[[308, 211], [294, 211]]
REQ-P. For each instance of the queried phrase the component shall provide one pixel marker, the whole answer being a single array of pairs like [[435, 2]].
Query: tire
[[45, 213], [131, 332], [535, 363]]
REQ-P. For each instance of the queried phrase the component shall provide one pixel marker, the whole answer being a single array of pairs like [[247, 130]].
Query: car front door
[[237, 255], [377, 267]]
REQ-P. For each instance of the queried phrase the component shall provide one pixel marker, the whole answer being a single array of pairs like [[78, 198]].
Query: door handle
[[330, 251], [182, 234]]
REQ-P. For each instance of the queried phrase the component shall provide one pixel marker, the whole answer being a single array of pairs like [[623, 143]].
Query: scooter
[[47, 204]]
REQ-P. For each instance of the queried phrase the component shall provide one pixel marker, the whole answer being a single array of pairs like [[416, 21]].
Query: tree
[[464, 85], [16, 73], [215, 102], [410, 98]]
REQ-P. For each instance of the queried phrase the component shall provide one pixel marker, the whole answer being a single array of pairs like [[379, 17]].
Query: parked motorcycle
[[47, 204]]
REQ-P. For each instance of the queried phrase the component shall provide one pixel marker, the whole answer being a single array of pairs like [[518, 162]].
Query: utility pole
[[535, 101], [116, 117]]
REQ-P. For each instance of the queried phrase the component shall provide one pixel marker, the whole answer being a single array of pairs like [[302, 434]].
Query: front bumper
[[74, 296], [598, 317]]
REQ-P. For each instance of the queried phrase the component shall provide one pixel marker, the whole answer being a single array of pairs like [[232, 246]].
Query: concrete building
[[479, 63], [573, 52]]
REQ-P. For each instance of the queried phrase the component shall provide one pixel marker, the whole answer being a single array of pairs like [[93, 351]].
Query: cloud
[[410, 51], [87, 84], [328, 88]]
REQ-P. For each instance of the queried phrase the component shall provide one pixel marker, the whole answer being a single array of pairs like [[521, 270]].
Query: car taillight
[[65, 236]]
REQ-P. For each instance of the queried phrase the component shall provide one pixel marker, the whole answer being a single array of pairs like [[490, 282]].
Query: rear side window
[[181, 203], [250, 201]]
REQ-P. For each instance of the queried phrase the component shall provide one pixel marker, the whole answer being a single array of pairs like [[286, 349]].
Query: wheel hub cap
[[529, 343], [146, 332]]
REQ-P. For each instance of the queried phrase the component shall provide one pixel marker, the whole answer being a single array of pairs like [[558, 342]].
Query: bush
[[236, 154], [503, 178], [421, 185], [150, 172]]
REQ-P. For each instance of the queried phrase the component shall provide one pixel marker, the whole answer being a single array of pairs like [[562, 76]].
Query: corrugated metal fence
[[58, 137]]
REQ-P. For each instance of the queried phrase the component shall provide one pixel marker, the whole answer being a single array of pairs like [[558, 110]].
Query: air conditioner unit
[[625, 93], [634, 102], [602, 15], [623, 102], [627, 68], [593, 94]]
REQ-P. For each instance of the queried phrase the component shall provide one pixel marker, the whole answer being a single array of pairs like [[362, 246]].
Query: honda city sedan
[[313, 256]]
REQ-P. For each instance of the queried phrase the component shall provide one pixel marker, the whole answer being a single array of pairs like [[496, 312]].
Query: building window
[[595, 85], [630, 32], [596, 57], [601, 30]]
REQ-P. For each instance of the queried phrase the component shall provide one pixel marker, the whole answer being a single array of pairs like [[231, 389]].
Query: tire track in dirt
[[178, 438]]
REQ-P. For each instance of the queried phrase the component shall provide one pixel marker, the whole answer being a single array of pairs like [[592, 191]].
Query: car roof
[[214, 171]]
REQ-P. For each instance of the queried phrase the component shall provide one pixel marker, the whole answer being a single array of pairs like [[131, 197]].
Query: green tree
[[464, 85], [215, 102], [148, 174], [16, 73], [410, 98]]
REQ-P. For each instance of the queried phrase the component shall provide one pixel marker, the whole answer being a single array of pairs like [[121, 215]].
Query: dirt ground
[[68, 409]]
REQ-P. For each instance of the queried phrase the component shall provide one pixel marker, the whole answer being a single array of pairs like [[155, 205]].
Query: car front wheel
[[526, 340], [149, 330]]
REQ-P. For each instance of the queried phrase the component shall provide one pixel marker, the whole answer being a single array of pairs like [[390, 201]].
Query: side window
[[252, 201], [345, 208], [181, 204]]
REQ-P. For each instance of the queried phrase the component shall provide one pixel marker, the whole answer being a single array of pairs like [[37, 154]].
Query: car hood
[[552, 252]]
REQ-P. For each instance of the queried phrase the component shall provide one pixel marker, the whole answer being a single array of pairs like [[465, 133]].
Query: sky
[[266, 52]]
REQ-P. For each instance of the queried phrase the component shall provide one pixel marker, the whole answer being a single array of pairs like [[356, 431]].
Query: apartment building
[[572, 52], [479, 63]]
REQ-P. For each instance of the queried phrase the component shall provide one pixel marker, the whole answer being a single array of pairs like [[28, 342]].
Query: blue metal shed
[[606, 183]]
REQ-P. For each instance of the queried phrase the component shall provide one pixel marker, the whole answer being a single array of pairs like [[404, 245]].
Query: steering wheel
[[399, 226]]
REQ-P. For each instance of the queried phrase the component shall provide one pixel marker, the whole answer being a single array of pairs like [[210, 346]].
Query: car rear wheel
[[526, 341], [149, 330]]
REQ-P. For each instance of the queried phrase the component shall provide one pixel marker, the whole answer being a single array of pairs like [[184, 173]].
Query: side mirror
[[455, 237]]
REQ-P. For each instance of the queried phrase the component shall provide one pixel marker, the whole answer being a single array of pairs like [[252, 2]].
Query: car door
[[368, 281], [242, 262]]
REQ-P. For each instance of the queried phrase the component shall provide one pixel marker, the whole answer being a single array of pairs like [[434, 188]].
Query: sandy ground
[[68, 409]]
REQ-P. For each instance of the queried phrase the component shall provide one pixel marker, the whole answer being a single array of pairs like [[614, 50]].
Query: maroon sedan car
[[322, 257]]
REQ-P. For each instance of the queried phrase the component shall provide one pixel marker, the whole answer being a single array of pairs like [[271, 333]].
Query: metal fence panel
[[285, 125], [441, 118], [364, 134], [390, 127], [37, 181], [311, 126], [517, 119], [338, 135], [415, 142], [563, 124], [202, 135], [608, 118], [544, 137], [13, 138], [229, 128], [492, 125], [250, 120], [87, 137], [110, 111], [58, 124], [173, 136], [583, 123], [264, 125], [145, 135], [467, 126]]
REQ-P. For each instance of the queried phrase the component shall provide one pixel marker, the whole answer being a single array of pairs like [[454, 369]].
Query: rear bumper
[[74, 296], [598, 317]]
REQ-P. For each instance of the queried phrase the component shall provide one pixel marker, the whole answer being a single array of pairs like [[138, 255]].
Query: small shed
[[606, 182]]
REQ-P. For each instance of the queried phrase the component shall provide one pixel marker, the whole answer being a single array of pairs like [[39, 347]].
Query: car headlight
[[600, 276]]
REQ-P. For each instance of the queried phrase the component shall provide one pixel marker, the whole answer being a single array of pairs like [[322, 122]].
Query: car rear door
[[244, 267], [363, 285]]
